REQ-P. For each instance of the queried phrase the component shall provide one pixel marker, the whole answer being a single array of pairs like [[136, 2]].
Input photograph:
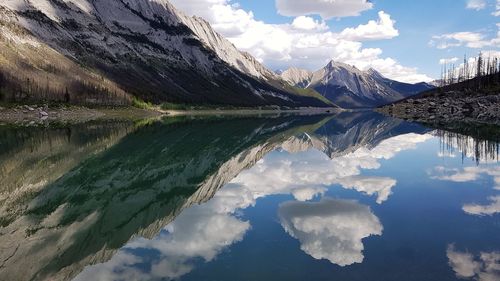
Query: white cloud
[[305, 42], [469, 39], [485, 267], [484, 210], [308, 23], [467, 174], [306, 194], [307, 173], [199, 232], [327, 9], [371, 185], [383, 28], [330, 229], [474, 40], [476, 4]]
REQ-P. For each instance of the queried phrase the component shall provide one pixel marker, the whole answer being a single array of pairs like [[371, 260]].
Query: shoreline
[[28, 114], [40, 115], [249, 111]]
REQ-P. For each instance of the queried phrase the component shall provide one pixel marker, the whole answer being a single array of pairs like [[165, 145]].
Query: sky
[[404, 40]]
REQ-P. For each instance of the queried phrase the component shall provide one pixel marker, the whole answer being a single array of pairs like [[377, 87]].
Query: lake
[[352, 196]]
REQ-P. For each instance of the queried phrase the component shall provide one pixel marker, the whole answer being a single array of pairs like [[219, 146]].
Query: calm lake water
[[355, 196]]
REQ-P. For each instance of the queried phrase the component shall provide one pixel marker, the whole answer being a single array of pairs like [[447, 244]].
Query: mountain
[[297, 77], [406, 89], [109, 51], [349, 87]]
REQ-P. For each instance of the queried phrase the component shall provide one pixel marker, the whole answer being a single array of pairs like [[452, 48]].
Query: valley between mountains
[[124, 52]]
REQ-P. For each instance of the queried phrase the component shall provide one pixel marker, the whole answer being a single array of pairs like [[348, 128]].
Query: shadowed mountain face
[[108, 183], [31, 159], [104, 51]]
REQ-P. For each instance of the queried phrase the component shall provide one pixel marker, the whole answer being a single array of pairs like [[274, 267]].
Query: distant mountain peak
[[297, 77], [350, 87], [372, 70]]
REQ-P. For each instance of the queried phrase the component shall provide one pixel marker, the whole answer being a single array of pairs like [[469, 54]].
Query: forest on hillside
[[480, 74], [30, 73]]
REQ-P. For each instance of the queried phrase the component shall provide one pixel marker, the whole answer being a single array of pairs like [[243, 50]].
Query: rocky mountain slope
[[297, 77], [350, 87], [99, 50]]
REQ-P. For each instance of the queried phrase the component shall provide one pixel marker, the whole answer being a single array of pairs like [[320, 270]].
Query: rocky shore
[[448, 107], [33, 115]]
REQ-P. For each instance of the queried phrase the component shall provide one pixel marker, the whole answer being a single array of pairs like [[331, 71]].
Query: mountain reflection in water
[[119, 201]]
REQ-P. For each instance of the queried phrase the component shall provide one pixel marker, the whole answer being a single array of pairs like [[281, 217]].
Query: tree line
[[474, 73], [23, 87]]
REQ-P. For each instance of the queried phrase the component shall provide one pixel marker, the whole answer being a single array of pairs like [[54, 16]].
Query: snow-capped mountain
[[145, 48], [349, 87]]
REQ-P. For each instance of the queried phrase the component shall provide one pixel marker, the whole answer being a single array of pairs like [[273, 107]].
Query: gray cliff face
[[298, 77], [145, 48]]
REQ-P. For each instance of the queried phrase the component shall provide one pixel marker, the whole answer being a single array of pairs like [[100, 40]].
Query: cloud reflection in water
[[482, 267], [330, 229]]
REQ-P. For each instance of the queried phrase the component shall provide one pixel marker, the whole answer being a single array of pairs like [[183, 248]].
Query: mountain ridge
[[349, 87], [146, 49]]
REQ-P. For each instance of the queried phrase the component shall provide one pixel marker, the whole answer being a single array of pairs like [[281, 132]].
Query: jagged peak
[[297, 76], [336, 65], [373, 72]]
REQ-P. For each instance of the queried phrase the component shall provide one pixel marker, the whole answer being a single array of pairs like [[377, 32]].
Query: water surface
[[356, 196]]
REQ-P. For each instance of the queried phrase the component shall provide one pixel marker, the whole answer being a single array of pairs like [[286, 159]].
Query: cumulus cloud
[[307, 173], [304, 42], [327, 9], [484, 267], [330, 229], [382, 186], [383, 28], [199, 232], [484, 210], [476, 4], [308, 23]]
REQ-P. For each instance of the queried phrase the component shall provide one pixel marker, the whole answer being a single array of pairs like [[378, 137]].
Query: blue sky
[[426, 32]]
